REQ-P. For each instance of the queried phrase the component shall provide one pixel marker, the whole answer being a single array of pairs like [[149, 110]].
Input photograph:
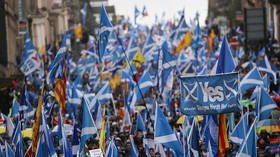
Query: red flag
[[60, 92]]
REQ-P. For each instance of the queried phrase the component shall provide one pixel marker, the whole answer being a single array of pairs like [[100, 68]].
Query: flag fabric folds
[[88, 125], [251, 80], [249, 147], [264, 104], [164, 134], [239, 132], [104, 32]]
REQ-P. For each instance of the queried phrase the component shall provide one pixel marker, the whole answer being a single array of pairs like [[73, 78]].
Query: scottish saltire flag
[[133, 151], [226, 61], [56, 68], [239, 132], [63, 140], [18, 141], [149, 44], [249, 147], [194, 148], [47, 137], [251, 80], [136, 13], [74, 100], [131, 48], [179, 31], [168, 63], [209, 152], [105, 28], [126, 119], [210, 133], [9, 151], [88, 125], [140, 125], [112, 150], [145, 83], [15, 108], [30, 60], [268, 68], [75, 139], [84, 13], [264, 104], [42, 149], [164, 134], [126, 77]]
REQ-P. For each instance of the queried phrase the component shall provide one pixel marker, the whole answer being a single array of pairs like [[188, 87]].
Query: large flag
[[88, 126], [264, 104], [239, 132], [267, 67], [104, 32], [251, 80], [36, 124], [249, 147], [30, 60], [164, 134]]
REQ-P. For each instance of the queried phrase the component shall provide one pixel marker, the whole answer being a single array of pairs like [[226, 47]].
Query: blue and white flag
[[249, 147], [47, 137], [264, 104], [226, 62], [112, 150], [239, 132], [194, 141], [15, 108], [140, 125], [136, 13], [145, 83], [56, 68], [209, 133], [18, 141], [209, 94], [88, 125], [266, 67], [30, 60], [75, 140], [164, 134], [134, 151], [84, 13], [251, 80], [168, 63], [63, 140], [9, 150], [105, 28]]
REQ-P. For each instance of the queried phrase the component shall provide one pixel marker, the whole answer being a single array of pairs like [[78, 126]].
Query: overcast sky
[[157, 7]]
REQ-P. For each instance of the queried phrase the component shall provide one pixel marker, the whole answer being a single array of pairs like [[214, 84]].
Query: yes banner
[[201, 95]]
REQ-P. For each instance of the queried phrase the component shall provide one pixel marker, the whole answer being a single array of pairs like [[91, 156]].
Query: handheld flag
[[251, 80], [239, 132], [88, 126], [104, 32], [164, 134], [264, 104]]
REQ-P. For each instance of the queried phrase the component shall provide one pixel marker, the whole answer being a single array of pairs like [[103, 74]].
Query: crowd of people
[[135, 50]]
